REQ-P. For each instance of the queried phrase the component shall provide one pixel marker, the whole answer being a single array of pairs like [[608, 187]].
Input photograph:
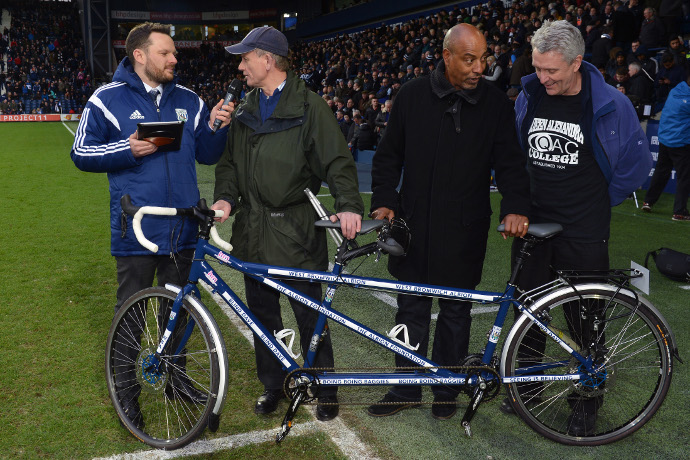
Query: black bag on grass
[[672, 264]]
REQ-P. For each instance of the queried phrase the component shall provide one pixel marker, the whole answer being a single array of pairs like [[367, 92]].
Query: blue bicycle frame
[[432, 373]]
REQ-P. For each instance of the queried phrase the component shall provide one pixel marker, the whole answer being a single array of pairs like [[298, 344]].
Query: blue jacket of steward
[[167, 179], [619, 144], [674, 126]]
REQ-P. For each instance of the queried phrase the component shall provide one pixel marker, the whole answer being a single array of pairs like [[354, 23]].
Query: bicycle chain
[[457, 369]]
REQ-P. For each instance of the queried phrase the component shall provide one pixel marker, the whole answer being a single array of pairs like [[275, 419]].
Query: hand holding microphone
[[233, 93]]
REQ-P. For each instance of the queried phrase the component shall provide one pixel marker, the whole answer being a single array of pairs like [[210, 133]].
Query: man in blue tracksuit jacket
[[586, 152], [674, 152], [144, 90]]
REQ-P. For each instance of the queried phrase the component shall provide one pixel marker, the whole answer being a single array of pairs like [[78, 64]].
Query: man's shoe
[[443, 411], [646, 207], [681, 217], [507, 408], [581, 422], [391, 404], [180, 387], [268, 401], [327, 408]]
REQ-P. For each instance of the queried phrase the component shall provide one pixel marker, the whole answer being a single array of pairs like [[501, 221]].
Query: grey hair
[[560, 37], [635, 65], [282, 63]]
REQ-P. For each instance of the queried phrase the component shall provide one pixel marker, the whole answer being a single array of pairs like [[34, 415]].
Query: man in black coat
[[445, 133], [602, 47]]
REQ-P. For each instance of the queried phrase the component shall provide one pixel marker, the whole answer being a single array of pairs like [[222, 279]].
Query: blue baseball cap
[[265, 38]]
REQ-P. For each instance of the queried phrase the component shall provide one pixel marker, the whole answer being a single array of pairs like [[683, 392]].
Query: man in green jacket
[[283, 138]]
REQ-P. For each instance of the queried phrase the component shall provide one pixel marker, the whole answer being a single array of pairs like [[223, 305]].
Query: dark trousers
[[670, 157], [561, 254], [135, 273], [264, 303], [451, 340]]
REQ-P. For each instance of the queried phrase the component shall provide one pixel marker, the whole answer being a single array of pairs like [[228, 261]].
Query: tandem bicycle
[[583, 339]]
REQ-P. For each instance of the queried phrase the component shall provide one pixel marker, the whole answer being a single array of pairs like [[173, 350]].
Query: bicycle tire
[[172, 413], [621, 397]]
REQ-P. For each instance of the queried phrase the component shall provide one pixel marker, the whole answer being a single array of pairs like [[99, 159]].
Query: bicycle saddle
[[367, 225], [539, 230]]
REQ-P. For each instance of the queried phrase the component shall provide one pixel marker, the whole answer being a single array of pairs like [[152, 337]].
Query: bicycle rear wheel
[[167, 407], [629, 342]]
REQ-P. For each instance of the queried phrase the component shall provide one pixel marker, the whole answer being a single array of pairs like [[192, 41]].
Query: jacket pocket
[[291, 239]]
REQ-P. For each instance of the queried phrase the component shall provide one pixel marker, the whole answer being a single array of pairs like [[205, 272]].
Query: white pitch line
[[67, 128], [210, 446], [346, 440]]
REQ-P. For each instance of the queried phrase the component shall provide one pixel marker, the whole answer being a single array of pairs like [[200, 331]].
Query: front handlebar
[[200, 211]]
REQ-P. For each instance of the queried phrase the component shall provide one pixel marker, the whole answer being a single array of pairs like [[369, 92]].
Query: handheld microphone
[[232, 94]]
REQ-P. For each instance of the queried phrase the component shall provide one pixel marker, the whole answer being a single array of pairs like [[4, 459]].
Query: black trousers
[[670, 157], [264, 303], [561, 254], [135, 273], [451, 339]]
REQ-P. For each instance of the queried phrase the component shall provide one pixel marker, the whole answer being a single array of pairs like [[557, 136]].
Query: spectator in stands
[[345, 124], [445, 133], [385, 89], [616, 62], [649, 65], [638, 14], [623, 24], [641, 85], [674, 152], [670, 74], [364, 137], [602, 47], [494, 72], [372, 111], [678, 51], [522, 67], [621, 79], [143, 89], [382, 118], [592, 34], [409, 75], [347, 110], [670, 15], [634, 46], [353, 133], [652, 33]]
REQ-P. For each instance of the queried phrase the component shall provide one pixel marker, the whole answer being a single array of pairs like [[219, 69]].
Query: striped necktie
[[154, 96]]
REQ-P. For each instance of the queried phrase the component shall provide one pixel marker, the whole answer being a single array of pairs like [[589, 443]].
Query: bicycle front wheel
[[164, 401], [627, 341]]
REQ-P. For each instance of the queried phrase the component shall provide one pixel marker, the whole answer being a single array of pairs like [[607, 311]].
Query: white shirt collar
[[159, 88], [279, 88]]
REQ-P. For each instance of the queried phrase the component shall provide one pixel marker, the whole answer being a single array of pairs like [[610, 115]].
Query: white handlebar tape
[[136, 223], [220, 242]]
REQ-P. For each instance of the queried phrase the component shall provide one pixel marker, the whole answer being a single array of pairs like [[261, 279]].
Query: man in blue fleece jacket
[[586, 152]]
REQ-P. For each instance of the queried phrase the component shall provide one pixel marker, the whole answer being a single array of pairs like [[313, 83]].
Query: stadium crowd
[[640, 52], [637, 50], [43, 66]]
